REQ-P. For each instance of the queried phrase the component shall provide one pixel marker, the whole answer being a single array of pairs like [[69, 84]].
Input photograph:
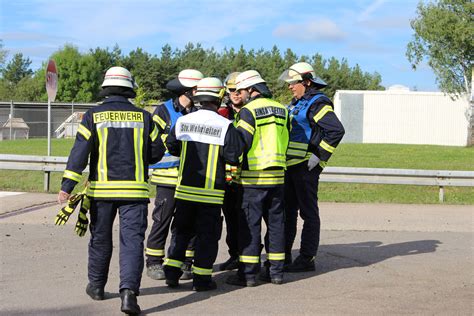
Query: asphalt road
[[373, 259]]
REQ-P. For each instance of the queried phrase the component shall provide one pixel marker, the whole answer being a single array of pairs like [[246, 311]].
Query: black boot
[[96, 293], [237, 280], [231, 264], [129, 302], [302, 264], [155, 272], [205, 287]]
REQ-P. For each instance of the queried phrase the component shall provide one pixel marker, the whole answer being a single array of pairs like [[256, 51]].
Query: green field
[[346, 155]]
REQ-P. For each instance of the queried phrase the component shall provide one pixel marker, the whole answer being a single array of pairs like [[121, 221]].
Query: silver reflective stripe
[[169, 159], [108, 124]]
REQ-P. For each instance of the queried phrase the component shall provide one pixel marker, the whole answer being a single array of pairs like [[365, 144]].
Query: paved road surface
[[373, 259]]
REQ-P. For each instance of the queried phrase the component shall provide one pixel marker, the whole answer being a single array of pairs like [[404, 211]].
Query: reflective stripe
[[184, 148], [189, 253], [246, 126], [154, 133], [159, 121], [99, 185], [84, 131], [119, 194], [262, 173], [196, 190], [295, 161], [138, 148], [201, 271], [322, 112], [72, 175], [327, 147], [173, 263], [323, 164], [274, 181], [155, 252], [298, 145], [120, 125], [297, 149], [212, 158], [198, 198], [276, 256], [102, 161], [249, 259]]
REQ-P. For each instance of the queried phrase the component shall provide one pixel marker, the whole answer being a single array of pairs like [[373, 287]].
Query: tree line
[[81, 74]]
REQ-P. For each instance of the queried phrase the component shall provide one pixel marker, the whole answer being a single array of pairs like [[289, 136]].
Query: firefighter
[[264, 126], [315, 134], [121, 140], [232, 198], [165, 174], [205, 142]]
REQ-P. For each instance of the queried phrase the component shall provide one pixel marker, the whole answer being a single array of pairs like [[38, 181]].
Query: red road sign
[[51, 80]]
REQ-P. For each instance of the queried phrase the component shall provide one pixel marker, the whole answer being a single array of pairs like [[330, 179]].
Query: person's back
[[121, 140], [205, 142]]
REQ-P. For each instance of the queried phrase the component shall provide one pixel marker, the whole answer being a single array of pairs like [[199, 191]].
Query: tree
[[3, 55], [444, 32], [17, 69]]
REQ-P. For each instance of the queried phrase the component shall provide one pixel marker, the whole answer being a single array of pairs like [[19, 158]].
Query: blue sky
[[371, 33]]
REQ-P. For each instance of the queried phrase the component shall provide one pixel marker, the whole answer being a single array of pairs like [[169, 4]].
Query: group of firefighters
[[253, 158]]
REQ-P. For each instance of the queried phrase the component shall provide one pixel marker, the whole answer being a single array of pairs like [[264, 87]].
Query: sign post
[[51, 89]]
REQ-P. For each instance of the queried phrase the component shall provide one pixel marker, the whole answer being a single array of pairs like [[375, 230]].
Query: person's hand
[[65, 212], [62, 197], [313, 162]]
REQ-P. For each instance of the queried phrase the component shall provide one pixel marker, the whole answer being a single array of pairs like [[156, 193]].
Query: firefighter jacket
[[315, 129], [165, 172], [121, 140], [264, 125], [205, 142]]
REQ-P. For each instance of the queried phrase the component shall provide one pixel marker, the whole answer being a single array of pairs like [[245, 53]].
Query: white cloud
[[314, 30], [367, 12]]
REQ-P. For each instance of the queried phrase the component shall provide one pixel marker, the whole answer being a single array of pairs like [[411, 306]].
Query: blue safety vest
[[168, 160], [300, 134]]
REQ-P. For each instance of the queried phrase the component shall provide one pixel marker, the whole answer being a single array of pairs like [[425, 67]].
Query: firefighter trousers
[[301, 193], [203, 221], [258, 203], [133, 224], [162, 220]]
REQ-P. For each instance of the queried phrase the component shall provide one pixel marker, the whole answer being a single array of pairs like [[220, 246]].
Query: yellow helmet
[[229, 81]]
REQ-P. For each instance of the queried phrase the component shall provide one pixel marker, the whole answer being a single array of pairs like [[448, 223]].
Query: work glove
[[64, 213], [82, 221], [313, 162]]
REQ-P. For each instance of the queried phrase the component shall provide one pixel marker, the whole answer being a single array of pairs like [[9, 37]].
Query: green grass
[[346, 155]]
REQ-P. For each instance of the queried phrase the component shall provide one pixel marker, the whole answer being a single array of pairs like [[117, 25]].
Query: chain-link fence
[[29, 119]]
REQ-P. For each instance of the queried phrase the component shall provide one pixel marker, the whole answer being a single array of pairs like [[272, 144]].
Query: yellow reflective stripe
[[155, 252], [157, 181], [159, 121], [184, 148], [195, 190], [212, 158], [201, 271], [84, 131], [154, 133], [260, 181], [276, 256], [249, 259], [296, 152], [323, 164], [138, 148], [189, 253], [262, 173], [322, 112], [119, 193], [246, 126], [118, 185], [102, 161], [170, 172], [327, 147], [72, 175], [198, 198], [173, 263], [298, 145]]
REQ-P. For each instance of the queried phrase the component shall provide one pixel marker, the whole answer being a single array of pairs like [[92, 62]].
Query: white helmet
[[247, 79], [209, 89], [187, 79], [299, 72], [119, 77]]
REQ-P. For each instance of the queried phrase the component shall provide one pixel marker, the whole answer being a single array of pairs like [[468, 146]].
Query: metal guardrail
[[439, 178]]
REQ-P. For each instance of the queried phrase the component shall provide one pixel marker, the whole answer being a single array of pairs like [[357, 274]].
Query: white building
[[400, 116]]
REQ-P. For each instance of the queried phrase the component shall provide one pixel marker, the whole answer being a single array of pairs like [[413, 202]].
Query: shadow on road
[[330, 258]]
